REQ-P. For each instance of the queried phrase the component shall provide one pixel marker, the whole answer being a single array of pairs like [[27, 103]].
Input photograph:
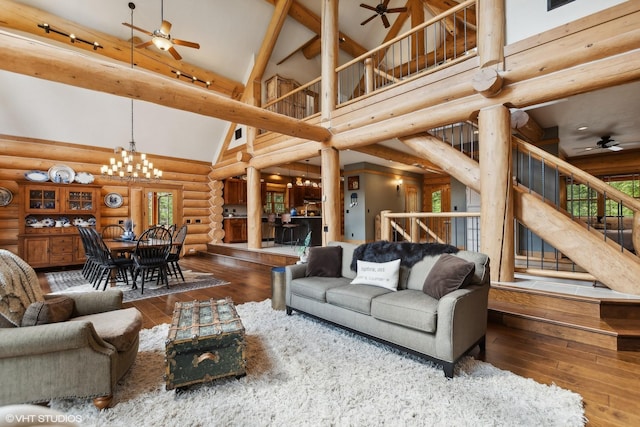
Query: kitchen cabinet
[[235, 230], [48, 216], [298, 194], [235, 192]]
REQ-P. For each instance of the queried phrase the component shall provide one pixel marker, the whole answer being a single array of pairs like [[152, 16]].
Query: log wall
[[19, 155]]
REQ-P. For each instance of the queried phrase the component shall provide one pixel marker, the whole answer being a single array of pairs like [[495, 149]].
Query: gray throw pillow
[[49, 311], [324, 261], [448, 274]]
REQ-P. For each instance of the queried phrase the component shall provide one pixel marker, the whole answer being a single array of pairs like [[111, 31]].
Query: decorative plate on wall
[[113, 200], [37, 176], [61, 174], [5, 196], [84, 178]]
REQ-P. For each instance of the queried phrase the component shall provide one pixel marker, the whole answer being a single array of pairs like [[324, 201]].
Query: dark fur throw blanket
[[409, 253]]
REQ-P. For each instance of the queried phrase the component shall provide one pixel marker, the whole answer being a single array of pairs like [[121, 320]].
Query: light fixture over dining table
[[132, 166]]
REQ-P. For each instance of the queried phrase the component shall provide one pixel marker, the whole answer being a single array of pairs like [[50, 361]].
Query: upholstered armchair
[[77, 344]]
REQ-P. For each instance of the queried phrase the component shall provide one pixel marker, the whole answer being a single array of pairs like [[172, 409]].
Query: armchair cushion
[[48, 311], [119, 328]]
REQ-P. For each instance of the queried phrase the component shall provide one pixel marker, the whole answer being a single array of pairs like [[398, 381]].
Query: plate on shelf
[[84, 178], [37, 176], [62, 174], [5, 196], [64, 220], [48, 222], [113, 200], [31, 220]]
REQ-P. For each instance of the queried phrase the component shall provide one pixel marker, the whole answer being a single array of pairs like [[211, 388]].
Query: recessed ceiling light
[[583, 127]]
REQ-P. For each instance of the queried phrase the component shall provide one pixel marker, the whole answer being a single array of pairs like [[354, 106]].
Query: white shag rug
[[301, 372]]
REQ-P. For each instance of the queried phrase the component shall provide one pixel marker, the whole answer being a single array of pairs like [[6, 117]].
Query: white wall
[[36, 108], [526, 18]]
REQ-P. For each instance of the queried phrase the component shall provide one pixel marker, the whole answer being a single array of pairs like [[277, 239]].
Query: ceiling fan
[[161, 38], [381, 9], [605, 142]]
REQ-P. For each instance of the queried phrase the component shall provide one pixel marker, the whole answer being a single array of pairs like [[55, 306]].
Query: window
[[582, 201], [274, 202], [629, 186], [436, 201]]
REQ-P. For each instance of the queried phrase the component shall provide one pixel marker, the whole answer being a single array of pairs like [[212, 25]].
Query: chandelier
[[133, 166]]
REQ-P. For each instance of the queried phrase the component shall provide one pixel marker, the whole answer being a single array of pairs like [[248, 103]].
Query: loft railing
[[441, 41], [600, 208], [460, 229]]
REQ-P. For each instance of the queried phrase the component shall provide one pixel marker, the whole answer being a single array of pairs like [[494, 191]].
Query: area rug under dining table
[[301, 372], [73, 281]]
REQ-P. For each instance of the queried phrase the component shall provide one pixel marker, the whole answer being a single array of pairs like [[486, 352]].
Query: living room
[[28, 147]]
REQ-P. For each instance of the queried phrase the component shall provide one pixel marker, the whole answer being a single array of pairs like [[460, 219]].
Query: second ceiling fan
[[161, 38], [382, 10]]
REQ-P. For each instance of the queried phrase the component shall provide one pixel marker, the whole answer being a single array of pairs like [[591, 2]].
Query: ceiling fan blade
[[165, 28], [174, 53], [386, 3], [385, 21], [368, 19], [186, 43], [366, 6], [397, 10], [142, 30], [145, 44]]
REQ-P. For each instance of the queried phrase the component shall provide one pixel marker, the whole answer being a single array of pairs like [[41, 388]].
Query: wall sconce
[[72, 37], [354, 200], [398, 184]]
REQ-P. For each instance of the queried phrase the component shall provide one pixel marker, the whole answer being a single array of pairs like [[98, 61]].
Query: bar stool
[[288, 225]]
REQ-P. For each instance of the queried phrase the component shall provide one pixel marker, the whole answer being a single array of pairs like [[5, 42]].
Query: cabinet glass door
[[80, 201], [42, 200]]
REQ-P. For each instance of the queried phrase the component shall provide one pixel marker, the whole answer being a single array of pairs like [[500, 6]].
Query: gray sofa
[[442, 330]]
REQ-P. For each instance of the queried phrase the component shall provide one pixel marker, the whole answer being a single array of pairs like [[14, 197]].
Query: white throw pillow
[[383, 274]]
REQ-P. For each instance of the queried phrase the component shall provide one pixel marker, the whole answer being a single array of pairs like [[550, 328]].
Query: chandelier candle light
[[133, 166]]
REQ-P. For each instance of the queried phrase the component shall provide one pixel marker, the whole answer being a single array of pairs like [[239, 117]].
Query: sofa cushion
[[316, 287], [53, 310], [347, 255], [355, 297], [482, 273], [410, 308], [448, 274], [383, 274], [325, 261], [419, 272], [119, 328]]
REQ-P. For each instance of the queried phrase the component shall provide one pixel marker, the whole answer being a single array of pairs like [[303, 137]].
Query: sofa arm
[[50, 338], [462, 321], [295, 271], [93, 302]]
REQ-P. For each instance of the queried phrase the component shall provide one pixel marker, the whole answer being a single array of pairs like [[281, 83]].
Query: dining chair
[[271, 228], [112, 231], [107, 266], [150, 257], [176, 251]]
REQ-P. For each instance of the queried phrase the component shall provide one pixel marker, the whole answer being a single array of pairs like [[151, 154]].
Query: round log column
[[330, 195], [254, 209]]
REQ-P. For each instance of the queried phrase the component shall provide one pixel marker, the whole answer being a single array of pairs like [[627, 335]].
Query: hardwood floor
[[608, 381]]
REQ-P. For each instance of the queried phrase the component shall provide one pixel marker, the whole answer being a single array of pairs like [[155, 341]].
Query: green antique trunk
[[206, 341]]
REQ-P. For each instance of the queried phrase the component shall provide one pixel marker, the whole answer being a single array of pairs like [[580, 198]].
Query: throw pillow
[[49, 311], [383, 274], [324, 261], [448, 274]]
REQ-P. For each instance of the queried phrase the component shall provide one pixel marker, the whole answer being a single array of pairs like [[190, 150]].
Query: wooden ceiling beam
[[314, 23], [387, 153], [23, 18], [41, 60]]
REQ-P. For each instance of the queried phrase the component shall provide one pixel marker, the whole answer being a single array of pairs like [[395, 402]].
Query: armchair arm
[[93, 302], [51, 338], [462, 321]]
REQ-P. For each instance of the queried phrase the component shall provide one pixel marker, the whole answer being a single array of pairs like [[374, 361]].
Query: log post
[[385, 225], [491, 28], [330, 195], [329, 58], [525, 126], [487, 82], [496, 195], [368, 75], [254, 209], [414, 230]]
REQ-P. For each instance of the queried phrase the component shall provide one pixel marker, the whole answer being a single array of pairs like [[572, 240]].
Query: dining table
[[122, 247]]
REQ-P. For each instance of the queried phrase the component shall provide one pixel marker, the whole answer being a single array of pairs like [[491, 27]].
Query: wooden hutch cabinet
[[49, 213]]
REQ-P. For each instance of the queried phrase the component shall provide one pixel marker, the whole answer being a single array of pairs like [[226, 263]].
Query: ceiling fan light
[[162, 43], [614, 148]]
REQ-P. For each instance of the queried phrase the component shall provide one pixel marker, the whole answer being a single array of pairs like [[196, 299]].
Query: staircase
[[613, 324]]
